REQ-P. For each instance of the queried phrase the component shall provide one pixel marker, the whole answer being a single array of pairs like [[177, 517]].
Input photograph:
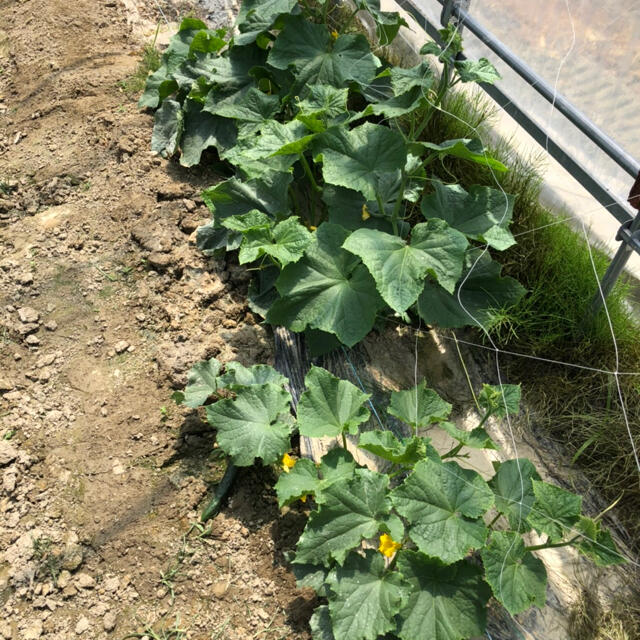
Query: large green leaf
[[365, 597], [285, 243], [318, 59], [419, 407], [445, 603], [237, 376], [353, 509], [484, 295], [202, 381], [257, 16], [252, 109], [234, 197], [518, 579], [477, 71], [337, 464], [464, 148], [362, 158], [203, 130], [403, 80], [256, 424], [328, 289], [481, 214], [330, 406], [325, 100], [399, 105], [320, 623], [442, 503], [385, 445], [399, 268], [554, 511], [167, 128], [514, 492]]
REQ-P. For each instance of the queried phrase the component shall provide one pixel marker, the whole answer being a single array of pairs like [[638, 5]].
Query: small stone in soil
[[121, 346], [32, 341], [28, 315]]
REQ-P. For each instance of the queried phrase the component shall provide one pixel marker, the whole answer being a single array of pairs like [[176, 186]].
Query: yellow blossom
[[303, 499], [365, 212], [287, 462], [388, 546], [334, 34], [312, 227]]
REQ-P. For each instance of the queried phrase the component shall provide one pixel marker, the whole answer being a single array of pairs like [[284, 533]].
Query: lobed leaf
[[441, 502], [464, 148], [256, 424], [330, 406], [500, 400], [419, 407], [513, 489], [517, 578], [554, 511], [445, 603], [406, 451], [477, 438], [365, 597], [202, 382]]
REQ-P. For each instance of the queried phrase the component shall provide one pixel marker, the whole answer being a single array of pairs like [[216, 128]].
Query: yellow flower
[[303, 499], [334, 34], [388, 546], [287, 462], [365, 212], [312, 227]]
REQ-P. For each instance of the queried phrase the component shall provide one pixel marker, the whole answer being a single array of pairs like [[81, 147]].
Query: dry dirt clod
[[8, 453], [121, 346], [82, 625], [28, 315], [109, 621]]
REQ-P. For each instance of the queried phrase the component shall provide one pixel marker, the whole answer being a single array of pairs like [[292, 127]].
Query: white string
[[161, 12]]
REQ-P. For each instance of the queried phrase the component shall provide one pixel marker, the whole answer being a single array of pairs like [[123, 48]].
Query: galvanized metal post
[[629, 235]]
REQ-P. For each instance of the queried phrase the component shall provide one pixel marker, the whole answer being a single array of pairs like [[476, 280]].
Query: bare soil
[[104, 305]]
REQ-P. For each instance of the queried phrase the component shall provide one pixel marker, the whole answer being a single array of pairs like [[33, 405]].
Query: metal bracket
[[629, 237]]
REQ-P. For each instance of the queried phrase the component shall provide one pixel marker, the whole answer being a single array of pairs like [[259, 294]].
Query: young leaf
[[256, 424], [203, 130], [554, 510], [441, 503], [597, 544], [445, 603], [466, 149], [330, 406], [500, 400], [285, 243], [481, 214], [477, 71], [385, 445], [399, 268], [336, 464], [328, 289], [318, 59], [237, 376], [518, 579], [514, 491], [360, 158], [352, 509], [477, 438], [302, 480], [419, 407], [202, 381], [250, 221], [167, 128], [483, 292]]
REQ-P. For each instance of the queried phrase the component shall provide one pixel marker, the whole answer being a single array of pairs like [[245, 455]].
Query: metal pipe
[[596, 135]]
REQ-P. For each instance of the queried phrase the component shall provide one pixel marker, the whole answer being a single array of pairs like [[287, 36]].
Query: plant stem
[[308, 173], [344, 441], [484, 419], [490, 525], [452, 452], [552, 545]]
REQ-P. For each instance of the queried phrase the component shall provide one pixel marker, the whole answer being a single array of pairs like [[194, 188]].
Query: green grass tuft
[[149, 62]]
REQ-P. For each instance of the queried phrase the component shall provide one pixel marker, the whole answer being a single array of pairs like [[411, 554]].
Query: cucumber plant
[[417, 550], [331, 201]]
